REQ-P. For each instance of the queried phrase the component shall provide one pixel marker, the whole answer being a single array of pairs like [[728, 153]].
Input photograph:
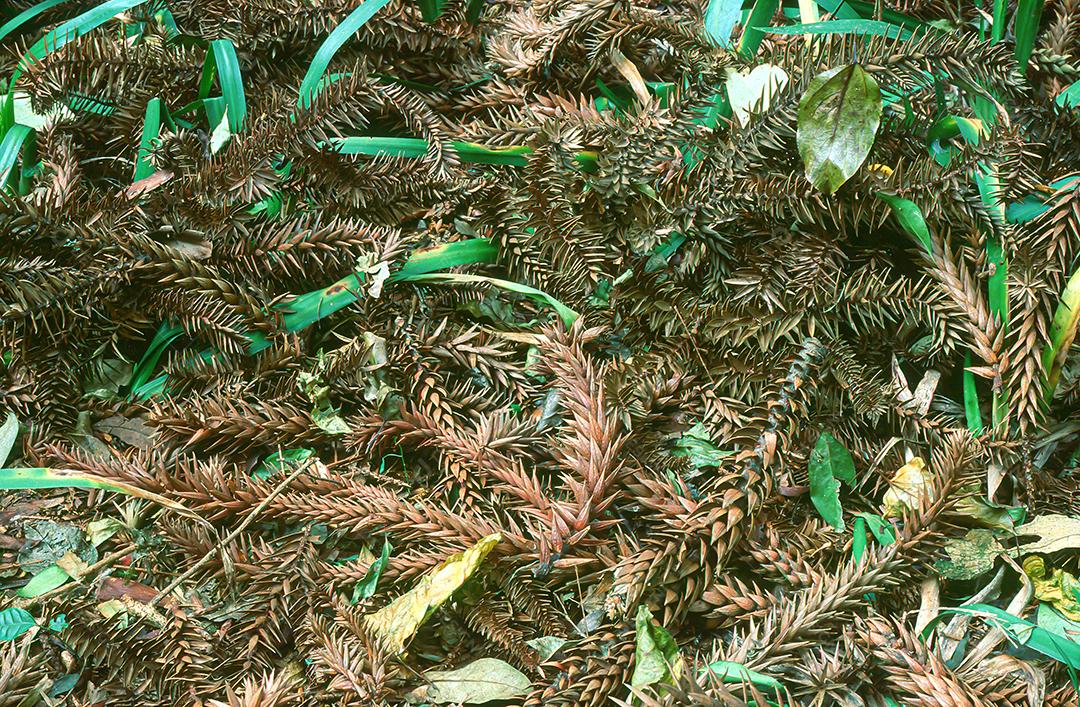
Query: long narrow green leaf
[[1062, 333], [227, 68], [417, 147], [309, 87], [971, 399], [431, 10], [721, 16], [43, 478], [166, 334], [567, 315], [73, 29], [151, 129], [1026, 27], [752, 35], [26, 15], [1001, 7], [11, 147], [868, 27]]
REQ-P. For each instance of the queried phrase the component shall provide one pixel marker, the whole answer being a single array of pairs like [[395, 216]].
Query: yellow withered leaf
[[397, 622], [1055, 586], [907, 488]]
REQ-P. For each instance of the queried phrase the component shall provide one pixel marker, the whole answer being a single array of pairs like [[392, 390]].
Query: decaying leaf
[[906, 489], [970, 556], [657, 658], [753, 92], [1049, 533], [483, 680], [396, 623], [1055, 586]]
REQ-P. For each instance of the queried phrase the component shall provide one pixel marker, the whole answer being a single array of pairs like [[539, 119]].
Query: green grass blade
[[44, 478], [721, 16], [971, 400], [752, 35], [567, 315], [1062, 334], [416, 147], [1026, 27], [73, 29], [151, 128], [1001, 7], [11, 147], [26, 15], [431, 10], [306, 309], [166, 334], [448, 255], [232, 83], [873, 28], [309, 87]]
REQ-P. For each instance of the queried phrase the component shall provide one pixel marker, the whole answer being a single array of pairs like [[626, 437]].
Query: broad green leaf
[[911, 219], [1001, 7], [166, 334], [1033, 206], [365, 588], [567, 315], [398, 621], [838, 119], [1026, 27], [721, 16], [829, 461], [989, 515], [728, 671], [14, 622], [279, 462], [483, 680], [1070, 97], [46, 580], [1052, 620], [696, 444], [73, 29], [760, 14], [656, 657], [1062, 333], [546, 646], [310, 86], [879, 527], [9, 432], [970, 556], [874, 28], [59, 623], [831, 452]]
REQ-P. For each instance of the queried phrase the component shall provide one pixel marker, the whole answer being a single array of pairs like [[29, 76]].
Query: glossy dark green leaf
[[838, 119], [721, 16], [911, 219], [874, 28], [830, 462], [365, 588], [14, 622], [753, 32]]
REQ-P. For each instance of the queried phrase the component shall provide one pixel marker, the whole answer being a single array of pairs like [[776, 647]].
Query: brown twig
[[231, 536]]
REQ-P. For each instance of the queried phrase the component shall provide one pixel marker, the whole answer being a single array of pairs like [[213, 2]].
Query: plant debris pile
[[539, 353]]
